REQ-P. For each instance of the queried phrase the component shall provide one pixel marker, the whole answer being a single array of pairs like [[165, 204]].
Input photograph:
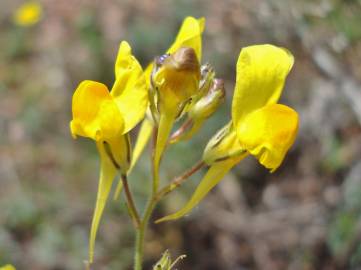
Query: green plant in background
[[176, 87]]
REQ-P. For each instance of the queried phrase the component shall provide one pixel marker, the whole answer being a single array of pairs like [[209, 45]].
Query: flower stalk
[[130, 202], [179, 180]]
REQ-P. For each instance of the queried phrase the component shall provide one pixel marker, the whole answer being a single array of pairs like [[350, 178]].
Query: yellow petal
[[213, 176], [261, 74], [107, 174], [268, 133], [95, 114], [190, 35], [130, 91], [7, 267]]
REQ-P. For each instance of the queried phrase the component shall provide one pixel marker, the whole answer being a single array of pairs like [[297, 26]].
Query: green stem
[[140, 234], [139, 245]]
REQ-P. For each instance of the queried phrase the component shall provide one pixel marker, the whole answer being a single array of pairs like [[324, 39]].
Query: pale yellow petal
[[95, 114], [213, 176], [261, 75], [130, 91], [190, 35], [268, 133], [107, 174]]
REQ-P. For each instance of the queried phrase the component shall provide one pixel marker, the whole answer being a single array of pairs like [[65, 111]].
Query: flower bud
[[205, 83], [200, 111], [207, 105], [175, 79]]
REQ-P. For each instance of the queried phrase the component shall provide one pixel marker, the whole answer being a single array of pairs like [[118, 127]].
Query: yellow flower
[[28, 14], [107, 117], [259, 125], [7, 267], [189, 35]]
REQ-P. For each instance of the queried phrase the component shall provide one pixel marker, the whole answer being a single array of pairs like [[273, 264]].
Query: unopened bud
[[208, 104], [205, 83], [176, 78], [200, 111]]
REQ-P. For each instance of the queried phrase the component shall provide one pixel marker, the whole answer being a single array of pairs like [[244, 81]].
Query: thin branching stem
[[130, 202], [179, 180]]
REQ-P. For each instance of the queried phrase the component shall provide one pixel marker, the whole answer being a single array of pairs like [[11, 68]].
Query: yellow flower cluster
[[177, 86]]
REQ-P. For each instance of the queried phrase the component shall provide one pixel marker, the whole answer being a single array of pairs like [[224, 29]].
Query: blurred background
[[306, 215]]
